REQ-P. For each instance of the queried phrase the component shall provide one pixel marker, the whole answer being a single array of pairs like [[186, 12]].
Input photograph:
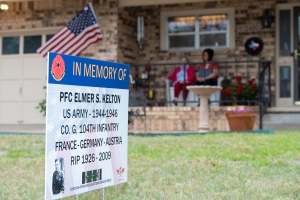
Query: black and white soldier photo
[[58, 176]]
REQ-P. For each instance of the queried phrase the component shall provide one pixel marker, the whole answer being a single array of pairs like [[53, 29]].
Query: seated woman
[[178, 79], [209, 70]]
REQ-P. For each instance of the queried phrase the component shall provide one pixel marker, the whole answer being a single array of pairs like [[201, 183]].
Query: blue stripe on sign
[[87, 72]]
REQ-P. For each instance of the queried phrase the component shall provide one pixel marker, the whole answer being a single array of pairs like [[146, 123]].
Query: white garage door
[[22, 78]]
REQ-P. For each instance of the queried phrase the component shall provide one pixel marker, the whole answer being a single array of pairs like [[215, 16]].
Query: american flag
[[76, 36]]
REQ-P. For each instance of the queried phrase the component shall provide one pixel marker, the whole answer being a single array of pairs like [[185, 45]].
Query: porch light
[[266, 19], [3, 6]]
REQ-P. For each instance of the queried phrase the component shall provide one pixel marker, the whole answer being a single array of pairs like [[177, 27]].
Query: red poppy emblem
[[58, 68]]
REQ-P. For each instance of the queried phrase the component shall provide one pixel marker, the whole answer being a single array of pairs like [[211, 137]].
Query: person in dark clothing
[[57, 179], [208, 71]]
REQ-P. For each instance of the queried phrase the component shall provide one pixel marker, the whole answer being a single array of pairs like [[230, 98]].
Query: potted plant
[[241, 120], [239, 91]]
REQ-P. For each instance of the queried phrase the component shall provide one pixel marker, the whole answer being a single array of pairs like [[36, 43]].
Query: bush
[[241, 91], [42, 105]]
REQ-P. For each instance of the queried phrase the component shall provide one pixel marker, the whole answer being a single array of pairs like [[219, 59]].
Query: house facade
[[168, 30]]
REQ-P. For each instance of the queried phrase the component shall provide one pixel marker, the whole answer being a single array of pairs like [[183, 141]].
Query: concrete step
[[282, 127], [282, 118], [281, 121]]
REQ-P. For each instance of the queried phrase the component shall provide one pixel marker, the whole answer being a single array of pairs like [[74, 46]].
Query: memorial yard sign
[[86, 125]]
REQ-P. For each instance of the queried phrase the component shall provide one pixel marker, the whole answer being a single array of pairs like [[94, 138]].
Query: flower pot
[[241, 121]]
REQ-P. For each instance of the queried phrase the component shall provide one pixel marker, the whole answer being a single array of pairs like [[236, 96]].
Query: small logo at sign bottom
[[91, 176], [120, 171]]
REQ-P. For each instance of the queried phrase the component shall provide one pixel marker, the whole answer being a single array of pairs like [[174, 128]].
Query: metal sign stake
[[102, 193]]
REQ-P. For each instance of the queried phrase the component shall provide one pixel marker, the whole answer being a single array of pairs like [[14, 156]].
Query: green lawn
[[216, 166]]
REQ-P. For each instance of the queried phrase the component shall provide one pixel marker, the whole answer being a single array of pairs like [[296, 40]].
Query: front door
[[288, 56], [297, 56]]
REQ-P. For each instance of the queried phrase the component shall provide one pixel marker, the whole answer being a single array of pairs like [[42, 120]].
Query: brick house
[[27, 24]]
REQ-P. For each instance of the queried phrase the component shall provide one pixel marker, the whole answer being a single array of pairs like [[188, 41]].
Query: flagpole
[[107, 51]]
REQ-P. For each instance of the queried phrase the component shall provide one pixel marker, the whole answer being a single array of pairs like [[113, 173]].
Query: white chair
[[191, 96], [170, 96], [217, 95]]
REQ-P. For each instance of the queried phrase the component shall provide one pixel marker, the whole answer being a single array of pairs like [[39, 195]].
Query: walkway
[[36, 129]]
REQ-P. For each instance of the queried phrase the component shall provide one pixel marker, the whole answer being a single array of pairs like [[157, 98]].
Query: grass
[[217, 166]]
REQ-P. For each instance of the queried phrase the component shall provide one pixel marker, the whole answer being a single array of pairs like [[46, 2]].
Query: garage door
[[22, 78]]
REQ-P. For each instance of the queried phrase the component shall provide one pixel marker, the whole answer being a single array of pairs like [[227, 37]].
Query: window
[[10, 45], [32, 43], [22, 43], [192, 30], [285, 33], [181, 31], [285, 81], [213, 30], [48, 37]]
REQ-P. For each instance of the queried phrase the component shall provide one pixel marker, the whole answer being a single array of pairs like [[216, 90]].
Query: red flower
[[224, 91], [241, 86], [240, 90], [239, 79]]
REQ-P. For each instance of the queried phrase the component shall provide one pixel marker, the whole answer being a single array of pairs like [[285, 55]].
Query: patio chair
[[192, 99], [217, 95], [170, 96]]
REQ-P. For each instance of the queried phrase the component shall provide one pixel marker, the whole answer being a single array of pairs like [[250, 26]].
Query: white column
[[204, 114]]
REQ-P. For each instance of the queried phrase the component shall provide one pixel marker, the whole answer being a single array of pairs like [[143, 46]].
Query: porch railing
[[259, 70]]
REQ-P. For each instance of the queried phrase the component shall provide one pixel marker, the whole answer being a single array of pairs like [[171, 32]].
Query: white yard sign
[[87, 125]]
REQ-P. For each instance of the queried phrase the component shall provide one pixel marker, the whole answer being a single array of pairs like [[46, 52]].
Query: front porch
[[182, 119], [162, 42], [156, 114], [151, 88]]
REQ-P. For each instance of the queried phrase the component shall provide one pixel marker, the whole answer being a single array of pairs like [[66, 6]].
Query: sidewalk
[[29, 129]]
